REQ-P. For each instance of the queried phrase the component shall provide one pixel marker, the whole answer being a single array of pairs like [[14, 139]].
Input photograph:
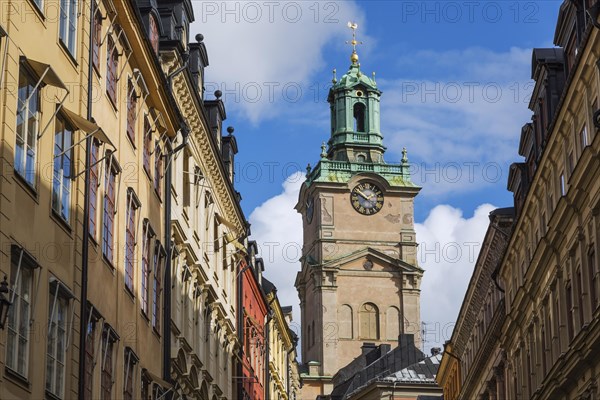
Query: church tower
[[359, 280]]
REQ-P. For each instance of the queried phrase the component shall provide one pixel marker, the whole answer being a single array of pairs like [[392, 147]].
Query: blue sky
[[455, 78]]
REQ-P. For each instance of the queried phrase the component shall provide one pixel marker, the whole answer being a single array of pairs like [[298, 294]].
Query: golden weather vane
[[353, 42]]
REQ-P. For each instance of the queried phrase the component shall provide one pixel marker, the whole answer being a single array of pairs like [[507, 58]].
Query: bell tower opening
[[359, 117]]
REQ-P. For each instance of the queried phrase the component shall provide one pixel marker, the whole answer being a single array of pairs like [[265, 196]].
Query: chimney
[[228, 151], [367, 347], [216, 115], [197, 62]]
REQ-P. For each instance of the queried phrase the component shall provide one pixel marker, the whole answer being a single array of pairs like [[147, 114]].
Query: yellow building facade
[[283, 374]]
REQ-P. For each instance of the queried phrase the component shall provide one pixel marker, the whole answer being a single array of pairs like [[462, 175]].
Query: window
[[112, 64], [62, 172], [129, 371], [146, 256], [90, 340], [359, 117], [19, 314], [571, 314], [130, 237], [563, 187], [593, 279], [158, 166], [68, 24], [57, 341], [570, 163], [131, 111], [369, 321], [583, 137], [345, 322], [579, 288], [147, 145], [393, 323], [28, 110], [159, 256], [97, 40], [106, 381], [110, 178], [93, 197], [153, 33]]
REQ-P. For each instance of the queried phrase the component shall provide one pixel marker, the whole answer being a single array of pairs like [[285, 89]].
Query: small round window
[[359, 93]]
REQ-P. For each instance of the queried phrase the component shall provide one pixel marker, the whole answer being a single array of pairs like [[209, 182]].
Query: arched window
[[392, 322], [369, 321], [359, 117], [313, 333], [345, 322], [309, 336]]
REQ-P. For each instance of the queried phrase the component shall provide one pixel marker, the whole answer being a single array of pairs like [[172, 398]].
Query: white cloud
[[468, 120], [277, 229], [260, 53], [449, 245]]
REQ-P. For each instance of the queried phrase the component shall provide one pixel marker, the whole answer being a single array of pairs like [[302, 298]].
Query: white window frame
[[159, 257], [147, 250], [109, 339], [23, 261], [58, 178], [130, 362], [29, 136], [68, 24], [133, 205], [584, 138], [59, 298]]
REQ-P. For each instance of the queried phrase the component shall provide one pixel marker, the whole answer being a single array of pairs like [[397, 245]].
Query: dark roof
[[548, 56], [366, 368], [268, 286], [286, 309], [422, 372]]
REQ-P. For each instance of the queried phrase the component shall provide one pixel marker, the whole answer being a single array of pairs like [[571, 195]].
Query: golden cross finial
[[353, 42]]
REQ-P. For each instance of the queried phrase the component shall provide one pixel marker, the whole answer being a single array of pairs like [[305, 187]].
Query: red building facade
[[252, 331]]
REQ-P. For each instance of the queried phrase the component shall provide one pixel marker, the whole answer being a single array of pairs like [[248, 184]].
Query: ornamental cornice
[[199, 133]]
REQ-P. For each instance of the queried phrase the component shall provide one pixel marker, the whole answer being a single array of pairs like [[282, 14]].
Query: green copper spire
[[356, 143], [354, 103]]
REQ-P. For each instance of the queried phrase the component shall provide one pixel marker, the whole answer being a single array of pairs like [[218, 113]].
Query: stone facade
[[547, 345], [473, 362], [208, 228], [550, 272], [359, 278]]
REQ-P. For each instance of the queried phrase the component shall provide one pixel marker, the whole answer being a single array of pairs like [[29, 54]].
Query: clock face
[[310, 209], [366, 198]]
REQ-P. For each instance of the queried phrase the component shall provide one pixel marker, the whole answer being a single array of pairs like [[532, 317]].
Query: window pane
[[61, 183], [26, 129]]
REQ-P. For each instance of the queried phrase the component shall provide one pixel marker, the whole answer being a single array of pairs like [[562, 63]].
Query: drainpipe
[[86, 220], [168, 246]]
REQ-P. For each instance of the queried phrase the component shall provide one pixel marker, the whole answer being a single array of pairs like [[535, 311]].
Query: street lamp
[[4, 302]]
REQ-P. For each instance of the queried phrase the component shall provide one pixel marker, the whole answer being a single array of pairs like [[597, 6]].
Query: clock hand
[[364, 196]]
